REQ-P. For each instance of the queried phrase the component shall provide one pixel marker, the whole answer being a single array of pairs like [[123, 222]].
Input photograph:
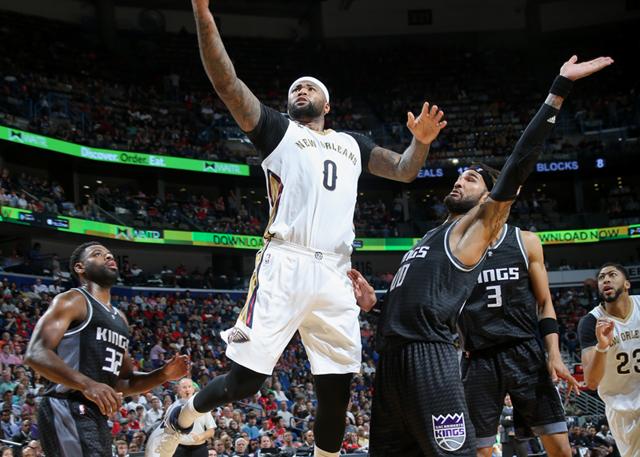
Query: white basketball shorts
[[297, 288], [625, 428]]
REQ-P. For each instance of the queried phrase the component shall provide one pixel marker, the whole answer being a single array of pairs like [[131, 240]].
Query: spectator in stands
[[139, 440], [8, 356], [157, 353], [136, 271], [363, 437], [350, 444], [287, 447], [122, 448], [308, 441], [266, 446], [6, 383], [39, 287], [284, 413], [23, 437], [7, 425], [154, 414], [9, 403], [250, 427]]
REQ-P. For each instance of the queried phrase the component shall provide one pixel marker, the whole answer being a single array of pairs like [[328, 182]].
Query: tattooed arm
[[241, 102], [405, 167]]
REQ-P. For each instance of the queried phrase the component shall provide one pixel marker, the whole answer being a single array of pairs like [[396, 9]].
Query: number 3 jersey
[[620, 385], [427, 293], [94, 347], [502, 308], [312, 181]]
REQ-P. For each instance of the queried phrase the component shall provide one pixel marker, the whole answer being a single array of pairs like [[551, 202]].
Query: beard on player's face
[[461, 205], [609, 297], [100, 274], [305, 111]]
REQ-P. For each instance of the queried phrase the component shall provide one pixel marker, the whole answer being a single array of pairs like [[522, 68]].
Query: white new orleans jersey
[[620, 385], [312, 181]]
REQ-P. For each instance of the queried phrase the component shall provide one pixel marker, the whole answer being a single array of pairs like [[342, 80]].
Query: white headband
[[313, 80]]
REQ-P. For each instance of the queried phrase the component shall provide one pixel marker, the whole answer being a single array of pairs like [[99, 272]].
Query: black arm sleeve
[[587, 331], [270, 130], [366, 145], [523, 159]]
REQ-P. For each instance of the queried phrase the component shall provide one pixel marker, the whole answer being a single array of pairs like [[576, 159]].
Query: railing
[[588, 403]]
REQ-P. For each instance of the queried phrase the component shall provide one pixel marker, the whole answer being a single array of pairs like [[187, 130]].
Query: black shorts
[[418, 404], [520, 371], [71, 428], [192, 451]]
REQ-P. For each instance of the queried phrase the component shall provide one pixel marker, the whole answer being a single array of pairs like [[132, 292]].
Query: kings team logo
[[449, 431]]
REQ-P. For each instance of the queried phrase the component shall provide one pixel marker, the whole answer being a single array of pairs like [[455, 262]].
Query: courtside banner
[[235, 241], [592, 235], [384, 244], [121, 232], [121, 157]]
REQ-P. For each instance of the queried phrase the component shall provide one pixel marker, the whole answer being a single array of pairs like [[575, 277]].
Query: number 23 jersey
[[312, 181], [620, 385]]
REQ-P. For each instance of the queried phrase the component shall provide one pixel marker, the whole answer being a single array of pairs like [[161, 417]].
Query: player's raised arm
[[475, 231], [405, 167], [241, 102], [65, 309]]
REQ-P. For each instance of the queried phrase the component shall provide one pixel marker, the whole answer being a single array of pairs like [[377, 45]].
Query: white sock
[[188, 414], [317, 452]]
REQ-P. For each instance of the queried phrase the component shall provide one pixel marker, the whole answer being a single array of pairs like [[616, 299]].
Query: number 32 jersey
[[312, 181], [95, 347]]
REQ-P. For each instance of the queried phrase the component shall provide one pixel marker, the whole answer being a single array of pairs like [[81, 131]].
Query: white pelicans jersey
[[620, 386], [312, 181]]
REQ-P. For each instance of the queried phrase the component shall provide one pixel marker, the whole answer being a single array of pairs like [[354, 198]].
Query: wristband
[[561, 86], [602, 350], [547, 326]]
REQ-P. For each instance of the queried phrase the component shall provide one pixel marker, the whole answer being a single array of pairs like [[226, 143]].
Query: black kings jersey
[[426, 293], [502, 308], [95, 347]]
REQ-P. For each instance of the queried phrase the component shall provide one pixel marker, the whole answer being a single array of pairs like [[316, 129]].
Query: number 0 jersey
[[312, 181], [95, 347], [427, 292], [502, 308], [620, 385]]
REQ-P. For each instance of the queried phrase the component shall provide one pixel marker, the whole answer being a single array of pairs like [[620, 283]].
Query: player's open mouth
[[301, 99], [606, 289], [112, 265]]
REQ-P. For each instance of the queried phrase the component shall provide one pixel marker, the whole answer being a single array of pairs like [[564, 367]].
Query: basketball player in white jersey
[[300, 282], [610, 340]]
